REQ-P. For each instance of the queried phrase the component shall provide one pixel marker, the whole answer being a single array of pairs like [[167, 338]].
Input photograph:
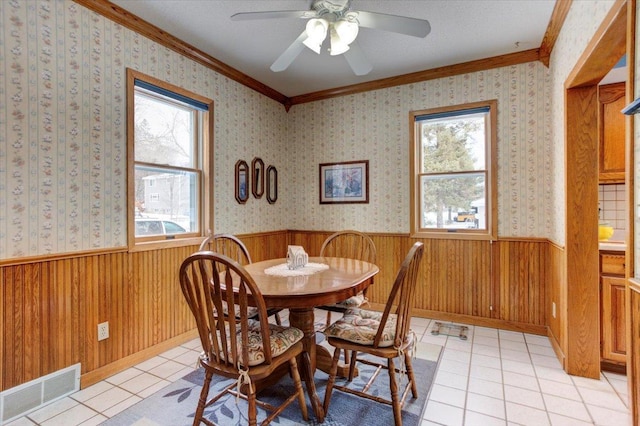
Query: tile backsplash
[[612, 203]]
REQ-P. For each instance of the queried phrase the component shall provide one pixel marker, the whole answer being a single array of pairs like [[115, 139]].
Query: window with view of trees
[[168, 146], [453, 181]]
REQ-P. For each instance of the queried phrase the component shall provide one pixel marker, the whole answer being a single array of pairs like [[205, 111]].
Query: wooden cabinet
[[611, 127], [612, 312]]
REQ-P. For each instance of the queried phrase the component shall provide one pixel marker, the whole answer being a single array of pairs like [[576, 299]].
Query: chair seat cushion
[[252, 311], [360, 326], [281, 338], [352, 302]]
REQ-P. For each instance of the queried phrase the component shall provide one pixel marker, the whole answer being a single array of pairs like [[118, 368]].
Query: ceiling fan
[[335, 18]]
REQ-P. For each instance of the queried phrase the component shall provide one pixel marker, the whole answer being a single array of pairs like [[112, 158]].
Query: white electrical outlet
[[553, 309], [103, 330]]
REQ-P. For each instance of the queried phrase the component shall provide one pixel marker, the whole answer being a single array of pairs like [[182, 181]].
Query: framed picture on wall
[[242, 181], [344, 183]]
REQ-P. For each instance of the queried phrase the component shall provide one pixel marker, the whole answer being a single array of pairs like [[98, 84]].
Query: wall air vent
[[27, 397]]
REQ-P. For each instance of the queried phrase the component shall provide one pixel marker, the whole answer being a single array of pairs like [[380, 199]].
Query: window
[[169, 137], [453, 181]]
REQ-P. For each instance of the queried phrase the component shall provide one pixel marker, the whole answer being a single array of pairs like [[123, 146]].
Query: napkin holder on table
[[296, 257]]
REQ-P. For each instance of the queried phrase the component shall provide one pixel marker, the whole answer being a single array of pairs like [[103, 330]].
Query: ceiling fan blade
[[247, 16], [396, 24], [289, 55], [357, 60]]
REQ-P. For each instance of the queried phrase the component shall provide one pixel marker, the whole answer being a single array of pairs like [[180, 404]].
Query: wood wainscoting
[[50, 308], [503, 283]]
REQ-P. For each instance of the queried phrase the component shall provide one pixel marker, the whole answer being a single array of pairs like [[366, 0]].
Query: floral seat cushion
[[252, 311], [281, 338], [352, 302], [360, 326]]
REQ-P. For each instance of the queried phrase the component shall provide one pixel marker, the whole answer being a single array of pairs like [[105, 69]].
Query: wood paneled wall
[[557, 294], [501, 283], [50, 309]]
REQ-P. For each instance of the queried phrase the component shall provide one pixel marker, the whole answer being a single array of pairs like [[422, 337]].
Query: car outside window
[[169, 137]]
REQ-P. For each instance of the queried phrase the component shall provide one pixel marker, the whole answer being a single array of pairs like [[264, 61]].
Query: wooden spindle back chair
[[237, 346]]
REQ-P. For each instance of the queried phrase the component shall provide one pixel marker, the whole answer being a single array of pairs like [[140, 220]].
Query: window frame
[[205, 166], [415, 150]]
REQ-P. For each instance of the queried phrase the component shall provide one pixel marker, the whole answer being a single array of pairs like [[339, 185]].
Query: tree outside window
[[169, 142], [451, 166]]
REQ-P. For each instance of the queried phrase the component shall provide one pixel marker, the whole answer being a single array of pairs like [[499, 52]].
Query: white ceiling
[[461, 31]]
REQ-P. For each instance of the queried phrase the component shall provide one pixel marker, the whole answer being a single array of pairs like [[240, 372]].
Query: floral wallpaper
[[375, 126], [63, 135], [581, 23]]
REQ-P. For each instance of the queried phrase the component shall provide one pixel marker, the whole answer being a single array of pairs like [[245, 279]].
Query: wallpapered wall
[[375, 126], [63, 149], [63, 136], [581, 23]]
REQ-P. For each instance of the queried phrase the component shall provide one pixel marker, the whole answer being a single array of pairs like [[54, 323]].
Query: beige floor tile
[[151, 363], [513, 346], [528, 416], [72, 417], [563, 390], [448, 395], [485, 361], [599, 398], [523, 396], [53, 409], [486, 388], [471, 418], [560, 420], [520, 380], [153, 388], [443, 414], [446, 378], [121, 406], [492, 376], [107, 399], [21, 421], [138, 384], [537, 340], [513, 336], [485, 331], [174, 352], [166, 369], [485, 405], [123, 376], [486, 373], [428, 351], [91, 391], [541, 350], [519, 367], [493, 342], [567, 407], [454, 366], [606, 417]]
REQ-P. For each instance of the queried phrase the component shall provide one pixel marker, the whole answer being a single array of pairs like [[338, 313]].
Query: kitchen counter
[[612, 246]]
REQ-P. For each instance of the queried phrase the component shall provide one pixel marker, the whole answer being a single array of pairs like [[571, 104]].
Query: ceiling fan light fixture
[[338, 47], [316, 33], [347, 30]]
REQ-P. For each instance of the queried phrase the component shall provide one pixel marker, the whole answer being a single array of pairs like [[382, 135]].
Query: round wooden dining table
[[301, 293]]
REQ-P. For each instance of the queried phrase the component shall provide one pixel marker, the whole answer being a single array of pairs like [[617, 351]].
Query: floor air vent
[[18, 401]]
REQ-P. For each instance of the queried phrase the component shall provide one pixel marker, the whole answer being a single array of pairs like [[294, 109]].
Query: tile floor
[[495, 377]]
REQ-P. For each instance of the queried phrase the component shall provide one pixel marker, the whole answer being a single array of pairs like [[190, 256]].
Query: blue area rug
[[175, 405]]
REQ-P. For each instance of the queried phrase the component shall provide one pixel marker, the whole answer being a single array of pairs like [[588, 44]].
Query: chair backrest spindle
[[206, 280], [228, 245], [403, 293], [350, 244]]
